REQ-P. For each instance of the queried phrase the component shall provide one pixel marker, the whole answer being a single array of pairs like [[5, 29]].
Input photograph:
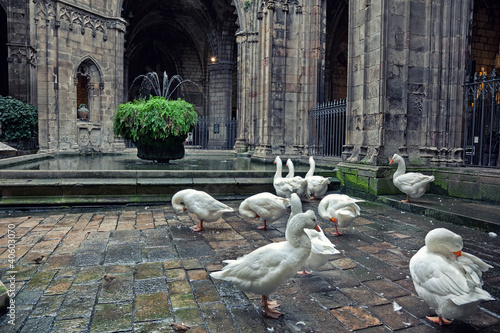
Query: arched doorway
[[179, 38], [4, 69], [337, 16], [482, 115], [195, 40]]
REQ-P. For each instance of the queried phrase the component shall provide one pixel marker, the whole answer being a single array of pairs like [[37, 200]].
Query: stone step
[[74, 191]]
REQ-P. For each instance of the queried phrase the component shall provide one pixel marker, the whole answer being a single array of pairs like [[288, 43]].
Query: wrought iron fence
[[213, 133], [218, 133], [327, 127], [482, 120]]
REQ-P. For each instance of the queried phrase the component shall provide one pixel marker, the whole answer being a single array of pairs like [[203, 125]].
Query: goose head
[[396, 159], [445, 242], [177, 201], [294, 232]]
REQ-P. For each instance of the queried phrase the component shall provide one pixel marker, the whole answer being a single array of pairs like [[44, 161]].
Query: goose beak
[[316, 227], [333, 219], [458, 253], [184, 209], [392, 161]]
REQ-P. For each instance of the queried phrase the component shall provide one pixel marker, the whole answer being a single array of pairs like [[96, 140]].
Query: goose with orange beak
[[340, 209], [447, 278], [263, 270], [203, 205], [413, 184]]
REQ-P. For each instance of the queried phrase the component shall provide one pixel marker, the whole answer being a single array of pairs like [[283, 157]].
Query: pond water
[[109, 162]]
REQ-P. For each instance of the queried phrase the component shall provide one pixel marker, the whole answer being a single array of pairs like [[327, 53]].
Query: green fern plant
[[154, 119]]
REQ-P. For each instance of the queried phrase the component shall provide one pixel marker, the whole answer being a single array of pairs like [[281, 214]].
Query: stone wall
[[21, 55], [406, 70], [73, 39]]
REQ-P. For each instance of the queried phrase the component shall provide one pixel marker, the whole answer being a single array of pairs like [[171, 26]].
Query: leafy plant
[[19, 121], [153, 119], [247, 6]]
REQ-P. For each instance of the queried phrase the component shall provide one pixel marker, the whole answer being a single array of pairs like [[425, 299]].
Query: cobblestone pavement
[[139, 269]]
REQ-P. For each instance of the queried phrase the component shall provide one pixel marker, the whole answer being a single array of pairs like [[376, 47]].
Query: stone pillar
[[289, 59], [246, 138], [406, 70], [22, 55]]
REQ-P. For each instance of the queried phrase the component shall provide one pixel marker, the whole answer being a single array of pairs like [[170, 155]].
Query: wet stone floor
[[140, 269]]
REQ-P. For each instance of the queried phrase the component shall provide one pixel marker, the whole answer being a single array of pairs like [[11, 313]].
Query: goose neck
[[401, 168], [312, 167]]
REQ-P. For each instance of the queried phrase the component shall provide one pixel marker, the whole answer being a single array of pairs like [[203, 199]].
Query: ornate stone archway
[[195, 40]]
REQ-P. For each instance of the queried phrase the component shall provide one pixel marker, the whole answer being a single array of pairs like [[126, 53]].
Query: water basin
[[129, 161]]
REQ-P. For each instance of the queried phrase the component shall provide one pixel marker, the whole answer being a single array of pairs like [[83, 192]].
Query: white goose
[[316, 185], [414, 184], [447, 278], [202, 204], [286, 186], [264, 269], [321, 247], [265, 206], [321, 250], [291, 169], [341, 209]]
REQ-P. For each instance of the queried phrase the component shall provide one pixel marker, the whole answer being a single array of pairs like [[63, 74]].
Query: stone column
[[406, 70], [21, 55], [247, 43], [291, 59]]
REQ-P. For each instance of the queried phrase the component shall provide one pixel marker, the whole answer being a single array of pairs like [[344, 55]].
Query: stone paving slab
[[141, 268]]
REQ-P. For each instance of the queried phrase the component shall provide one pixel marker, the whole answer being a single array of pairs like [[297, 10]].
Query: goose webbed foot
[[440, 320], [263, 227], [198, 227], [303, 272], [270, 307]]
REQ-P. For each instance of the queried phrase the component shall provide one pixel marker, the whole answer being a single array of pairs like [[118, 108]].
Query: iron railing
[[482, 120], [327, 127], [218, 133], [213, 133]]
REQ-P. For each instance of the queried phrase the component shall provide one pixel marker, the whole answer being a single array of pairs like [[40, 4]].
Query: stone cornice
[[284, 5], [247, 37], [59, 10]]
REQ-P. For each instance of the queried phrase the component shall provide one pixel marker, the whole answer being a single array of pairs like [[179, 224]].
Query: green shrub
[[19, 121], [153, 119]]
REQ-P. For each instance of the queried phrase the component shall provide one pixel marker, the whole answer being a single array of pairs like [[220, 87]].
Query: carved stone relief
[[77, 19]]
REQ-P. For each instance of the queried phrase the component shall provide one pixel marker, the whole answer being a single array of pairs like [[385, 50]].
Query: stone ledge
[[460, 182]]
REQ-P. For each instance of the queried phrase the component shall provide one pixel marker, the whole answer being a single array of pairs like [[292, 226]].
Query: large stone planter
[[161, 151]]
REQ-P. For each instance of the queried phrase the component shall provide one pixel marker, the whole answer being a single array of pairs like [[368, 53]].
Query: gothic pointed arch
[[336, 50], [88, 81], [193, 39]]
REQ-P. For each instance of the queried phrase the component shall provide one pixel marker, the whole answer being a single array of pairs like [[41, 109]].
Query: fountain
[[155, 123], [69, 178], [118, 178]]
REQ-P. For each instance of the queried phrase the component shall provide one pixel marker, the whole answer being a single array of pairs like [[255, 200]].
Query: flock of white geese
[[444, 276]]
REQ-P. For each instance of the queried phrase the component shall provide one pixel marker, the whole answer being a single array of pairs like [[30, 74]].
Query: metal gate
[[482, 120], [327, 127], [213, 133]]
